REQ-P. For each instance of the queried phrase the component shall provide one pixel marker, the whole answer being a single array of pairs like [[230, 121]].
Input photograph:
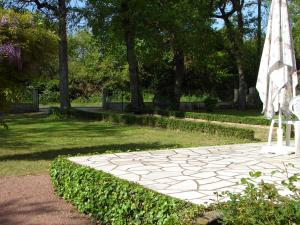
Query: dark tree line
[[166, 42]]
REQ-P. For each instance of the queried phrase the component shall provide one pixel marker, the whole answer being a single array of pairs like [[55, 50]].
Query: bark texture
[[63, 56], [137, 101], [179, 76]]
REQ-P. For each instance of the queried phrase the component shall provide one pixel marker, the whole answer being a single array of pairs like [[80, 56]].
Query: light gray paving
[[193, 174]]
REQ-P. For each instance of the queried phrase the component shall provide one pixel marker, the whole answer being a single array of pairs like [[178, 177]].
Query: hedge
[[171, 123], [111, 200], [215, 117]]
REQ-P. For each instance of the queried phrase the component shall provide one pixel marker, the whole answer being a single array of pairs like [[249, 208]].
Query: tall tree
[[59, 10], [118, 20], [226, 10], [178, 28], [259, 27]]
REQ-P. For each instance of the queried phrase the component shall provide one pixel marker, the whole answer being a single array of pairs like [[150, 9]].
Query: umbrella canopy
[[277, 77]]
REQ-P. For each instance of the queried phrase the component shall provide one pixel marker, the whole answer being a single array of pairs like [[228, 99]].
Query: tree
[[57, 9], [26, 48], [89, 67], [178, 29], [118, 20], [226, 10]]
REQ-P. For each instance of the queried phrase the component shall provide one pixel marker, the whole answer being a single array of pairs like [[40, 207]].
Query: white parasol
[[277, 77]]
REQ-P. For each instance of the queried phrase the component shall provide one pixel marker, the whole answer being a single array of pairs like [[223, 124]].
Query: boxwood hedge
[[164, 122], [111, 200], [215, 117]]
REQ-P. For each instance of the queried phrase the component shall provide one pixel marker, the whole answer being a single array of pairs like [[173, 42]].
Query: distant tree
[[179, 30], [97, 64], [119, 20], [26, 49], [58, 10]]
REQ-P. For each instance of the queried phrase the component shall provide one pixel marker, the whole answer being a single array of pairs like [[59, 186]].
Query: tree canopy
[[27, 48]]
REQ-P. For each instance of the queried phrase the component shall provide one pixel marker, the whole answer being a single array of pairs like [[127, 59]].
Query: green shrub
[[210, 103], [171, 123], [262, 204], [111, 200], [215, 117], [227, 118], [56, 114]]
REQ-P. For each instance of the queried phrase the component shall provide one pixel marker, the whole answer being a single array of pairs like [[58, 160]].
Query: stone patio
[[193, 174]]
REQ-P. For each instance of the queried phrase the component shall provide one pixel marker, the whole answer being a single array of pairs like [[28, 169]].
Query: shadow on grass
[[51, 154], [40, 131]]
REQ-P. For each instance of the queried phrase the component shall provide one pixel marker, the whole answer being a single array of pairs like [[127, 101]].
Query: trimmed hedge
[[170, 123], [111, 200], [228, 118], [215, 117]]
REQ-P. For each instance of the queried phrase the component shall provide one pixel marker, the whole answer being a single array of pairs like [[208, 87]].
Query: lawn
[[32, 141]]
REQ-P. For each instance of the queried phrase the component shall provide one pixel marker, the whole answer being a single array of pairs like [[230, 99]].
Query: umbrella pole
[[279, 130]]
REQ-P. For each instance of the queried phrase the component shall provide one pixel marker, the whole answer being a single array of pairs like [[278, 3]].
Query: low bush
[[215, 117], [210, 103], [261, 203], [227, 118], [111, 200], [171, 123]]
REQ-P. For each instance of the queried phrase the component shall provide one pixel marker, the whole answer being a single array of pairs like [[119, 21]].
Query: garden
[[146, 112]]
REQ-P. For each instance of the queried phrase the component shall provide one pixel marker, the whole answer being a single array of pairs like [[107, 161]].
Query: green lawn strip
[[33, 140], [111, 200], [171, 123]]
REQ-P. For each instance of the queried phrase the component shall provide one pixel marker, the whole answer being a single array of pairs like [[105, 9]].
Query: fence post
[[104, 98], [236, 95], [35, 99]]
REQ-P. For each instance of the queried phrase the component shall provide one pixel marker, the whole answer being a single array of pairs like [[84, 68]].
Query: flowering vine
[[8, 50]]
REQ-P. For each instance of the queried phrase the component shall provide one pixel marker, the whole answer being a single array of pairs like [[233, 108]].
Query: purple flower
[[12, 53], [4, 20]]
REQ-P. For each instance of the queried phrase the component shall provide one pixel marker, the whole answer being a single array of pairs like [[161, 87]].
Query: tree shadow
[[51, 154], [15, 210], [28, 137]]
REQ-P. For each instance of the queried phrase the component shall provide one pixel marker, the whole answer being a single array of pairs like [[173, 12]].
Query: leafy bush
[[227, 118], [210, 103], [56, 114], [215, 117], [111, 200], [171, 123], [262, 204]]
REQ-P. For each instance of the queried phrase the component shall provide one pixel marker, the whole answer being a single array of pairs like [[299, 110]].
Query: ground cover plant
[[111, 200], [32, 141], [262, 203]]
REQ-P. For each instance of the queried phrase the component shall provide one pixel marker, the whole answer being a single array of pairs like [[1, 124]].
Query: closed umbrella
[[277, 77]]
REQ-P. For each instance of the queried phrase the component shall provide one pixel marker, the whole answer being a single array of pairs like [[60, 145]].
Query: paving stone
[[195, 174]]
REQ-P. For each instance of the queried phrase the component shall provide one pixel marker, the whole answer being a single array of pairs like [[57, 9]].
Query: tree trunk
[[236, 40], [137, 101], [63, 56], [179, 75], [259, 19]]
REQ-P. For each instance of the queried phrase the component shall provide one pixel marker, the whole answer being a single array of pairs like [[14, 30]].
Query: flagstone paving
[[194, 174]]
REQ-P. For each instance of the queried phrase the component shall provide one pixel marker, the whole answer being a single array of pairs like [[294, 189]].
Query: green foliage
[[170, 123], [94, 62], [227, 118], [215, 117], [37, 46], [111, 200], [210, 103], [261, 203], [56, 114]]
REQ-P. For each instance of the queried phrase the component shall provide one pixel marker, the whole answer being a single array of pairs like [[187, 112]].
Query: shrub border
[[170, 123], [215, 117], [111, 200]]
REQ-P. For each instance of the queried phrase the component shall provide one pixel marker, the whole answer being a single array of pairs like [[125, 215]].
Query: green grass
[[32, 141]]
